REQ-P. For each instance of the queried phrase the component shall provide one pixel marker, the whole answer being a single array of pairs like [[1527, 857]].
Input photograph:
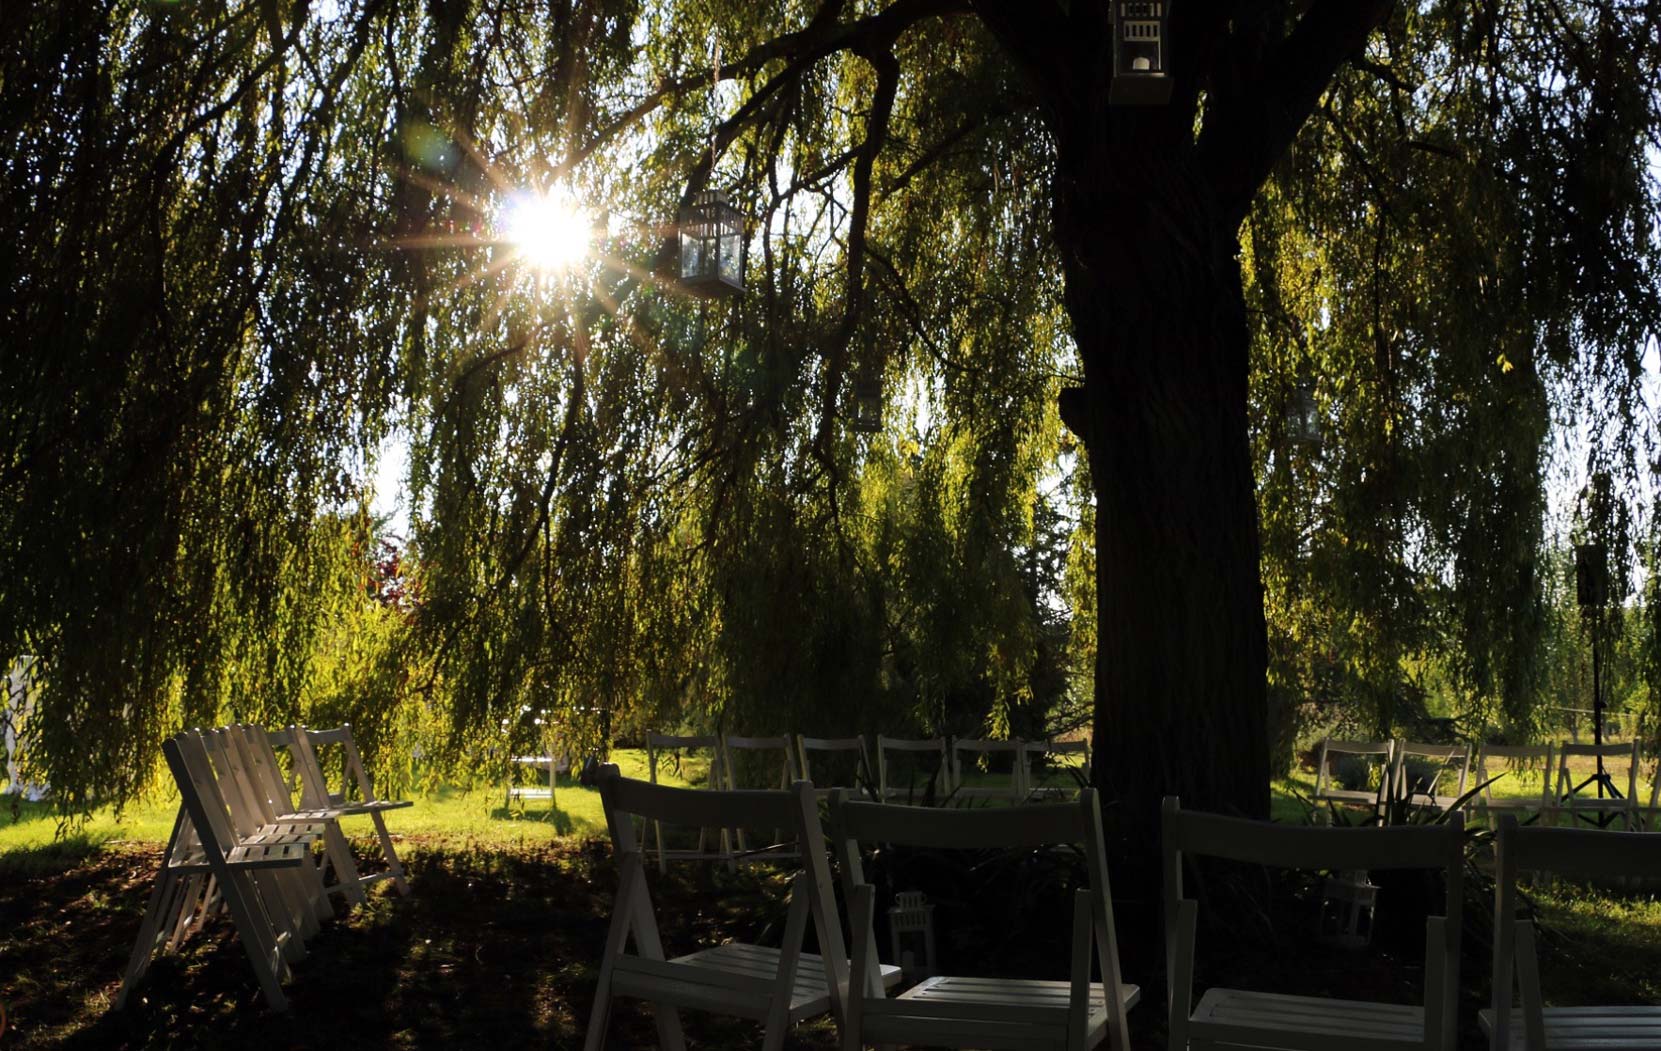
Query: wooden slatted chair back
[[778, 987], [366, 802], [1576, 798], [1494, 761], [1312, 1022], [354, 775], [1453, 762], [985, 1013], [1580, 853], [1651, 817], [1014, 786], [231, 866], [294, 899], [261, 758], [887, 784], [850, 748], [1331, 750]]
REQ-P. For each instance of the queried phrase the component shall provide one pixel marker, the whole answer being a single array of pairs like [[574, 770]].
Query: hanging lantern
[[712, 246], [867, 418], [1348, 901], [911, 929], [1140, 73], [1303, 415]]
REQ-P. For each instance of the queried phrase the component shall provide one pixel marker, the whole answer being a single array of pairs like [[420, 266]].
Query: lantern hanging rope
[[711, 228]]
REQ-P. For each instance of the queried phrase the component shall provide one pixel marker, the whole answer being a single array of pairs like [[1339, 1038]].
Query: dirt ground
[[497, 949]]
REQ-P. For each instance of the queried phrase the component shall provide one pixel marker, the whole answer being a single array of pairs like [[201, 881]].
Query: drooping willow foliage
[[1462, 253], [254, 243]]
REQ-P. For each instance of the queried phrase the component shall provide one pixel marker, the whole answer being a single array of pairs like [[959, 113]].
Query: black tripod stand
[[1592, 594]]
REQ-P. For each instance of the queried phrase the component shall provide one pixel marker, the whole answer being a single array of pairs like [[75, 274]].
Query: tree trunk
[[1153, 286]]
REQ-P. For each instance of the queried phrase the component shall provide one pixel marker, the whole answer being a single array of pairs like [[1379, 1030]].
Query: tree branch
[[1255, 123]]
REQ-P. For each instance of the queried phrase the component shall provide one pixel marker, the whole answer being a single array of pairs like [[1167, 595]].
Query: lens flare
[[551, 233]]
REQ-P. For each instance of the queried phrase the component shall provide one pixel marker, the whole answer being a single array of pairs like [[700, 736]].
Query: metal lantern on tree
[[1141, 76], [1303, 414], [867, 417], [712, 246]]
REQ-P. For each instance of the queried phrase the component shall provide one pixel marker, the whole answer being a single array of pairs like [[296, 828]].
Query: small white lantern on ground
[[1348, 901], [911, 928]]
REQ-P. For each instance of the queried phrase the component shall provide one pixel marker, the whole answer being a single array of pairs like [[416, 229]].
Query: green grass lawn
[[30, 832]]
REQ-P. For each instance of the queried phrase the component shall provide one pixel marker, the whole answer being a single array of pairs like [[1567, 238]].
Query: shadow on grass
[[50, 858], [493, 948], [554, 817], [499, 947], [15, 810]]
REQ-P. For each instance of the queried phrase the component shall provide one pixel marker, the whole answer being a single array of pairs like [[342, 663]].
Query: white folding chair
[[1013, 789], [1385, 751], [294, 896], [202, 843], [762, 748], [1062, 780], [1242, 1018], [1584, 853], [277, 807], [661, 750], [303, 746], [1649, 816], [939, 779], [1491, 805], [952, 1011], [1583, 801], [1451, 760], [841, 751], [776, 986], [552, 762]]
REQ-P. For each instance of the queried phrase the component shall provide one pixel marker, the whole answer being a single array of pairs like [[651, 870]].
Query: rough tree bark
[[1153, 287], [1147, 217]]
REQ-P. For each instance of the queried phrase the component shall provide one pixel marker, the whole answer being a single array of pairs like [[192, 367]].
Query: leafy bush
[[1354, 773]]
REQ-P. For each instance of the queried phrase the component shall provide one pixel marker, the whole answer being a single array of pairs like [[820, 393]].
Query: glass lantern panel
[[732, 259], [692, 256]]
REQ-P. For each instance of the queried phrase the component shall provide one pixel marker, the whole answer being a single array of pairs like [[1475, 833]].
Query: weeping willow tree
[[1459, 253], [253, 241]]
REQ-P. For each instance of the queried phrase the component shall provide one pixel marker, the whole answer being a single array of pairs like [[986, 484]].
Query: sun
[[550, 232]]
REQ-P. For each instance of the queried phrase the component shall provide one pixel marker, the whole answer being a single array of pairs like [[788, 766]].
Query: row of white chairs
[[1564, 789], [240, 844], [784, 985], [792, 759], [948, 762]]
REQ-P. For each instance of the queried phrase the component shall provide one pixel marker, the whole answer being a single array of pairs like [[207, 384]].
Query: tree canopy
[[256, 243]]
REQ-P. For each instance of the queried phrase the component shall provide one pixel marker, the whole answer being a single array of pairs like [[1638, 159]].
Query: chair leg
[[339, 853], [255, 932], [393, 865], [148, 931]]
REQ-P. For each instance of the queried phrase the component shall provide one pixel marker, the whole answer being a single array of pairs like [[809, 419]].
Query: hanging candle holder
[[1303, 414], [867, 416], [712, 246], [1141, 76]]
